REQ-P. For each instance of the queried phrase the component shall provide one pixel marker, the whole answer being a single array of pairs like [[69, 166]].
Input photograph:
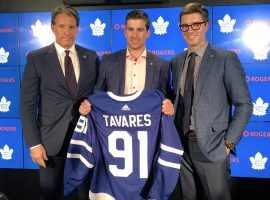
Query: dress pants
[[52, 177], [51, 182], [201, 178]]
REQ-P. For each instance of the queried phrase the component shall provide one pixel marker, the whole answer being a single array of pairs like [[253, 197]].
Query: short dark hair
[[67, 10], [139, 14], [195, 8]]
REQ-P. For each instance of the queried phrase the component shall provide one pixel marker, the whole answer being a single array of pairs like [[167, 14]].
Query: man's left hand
[[227, 151]]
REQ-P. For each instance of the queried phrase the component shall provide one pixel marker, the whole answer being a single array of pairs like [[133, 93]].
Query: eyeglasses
[[195, 26]]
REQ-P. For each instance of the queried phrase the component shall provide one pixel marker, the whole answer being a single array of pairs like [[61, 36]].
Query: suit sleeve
[[165, 76], [167, 167], [80, 157], [30, 89], [238, 91]]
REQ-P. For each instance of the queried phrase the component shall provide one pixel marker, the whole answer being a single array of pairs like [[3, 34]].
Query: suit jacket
[[221, 84], [47, 105], [112, 73]]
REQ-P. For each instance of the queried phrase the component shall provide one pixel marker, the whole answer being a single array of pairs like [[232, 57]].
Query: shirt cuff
[[35, 146]]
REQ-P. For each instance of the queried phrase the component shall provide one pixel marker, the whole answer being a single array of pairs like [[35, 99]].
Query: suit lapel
[[83, 65], [206, 64], [121, 72], [149, 70], [55, 67]]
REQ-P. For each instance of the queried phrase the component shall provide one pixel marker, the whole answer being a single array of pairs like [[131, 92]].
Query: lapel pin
[[84, 56], [151, 63]]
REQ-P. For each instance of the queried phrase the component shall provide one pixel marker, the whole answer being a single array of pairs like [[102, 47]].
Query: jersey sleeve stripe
[[168, 164], [171, 149], [82, 143], [82, 159]]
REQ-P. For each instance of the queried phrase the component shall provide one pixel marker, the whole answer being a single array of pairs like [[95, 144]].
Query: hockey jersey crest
[[133, 150]]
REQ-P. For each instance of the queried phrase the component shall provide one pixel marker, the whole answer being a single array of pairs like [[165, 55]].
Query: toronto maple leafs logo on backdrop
[[97, 28], [6, 153], [226, 25], [160, 26], [43, 32], [259, 108], [258, 161], [256, 37], [4, 105], [3, 56]]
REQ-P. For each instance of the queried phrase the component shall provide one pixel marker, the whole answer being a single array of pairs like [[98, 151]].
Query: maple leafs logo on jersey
[[258, 162], [160, 26], [98, 28]]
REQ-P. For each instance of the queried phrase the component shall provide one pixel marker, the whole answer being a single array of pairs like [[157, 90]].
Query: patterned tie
[[188, 92], [69, 73]]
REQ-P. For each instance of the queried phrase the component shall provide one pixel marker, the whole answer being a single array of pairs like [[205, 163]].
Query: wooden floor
[[24, 185]]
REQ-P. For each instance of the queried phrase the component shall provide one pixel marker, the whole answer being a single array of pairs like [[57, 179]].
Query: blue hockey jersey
[[133, 149]]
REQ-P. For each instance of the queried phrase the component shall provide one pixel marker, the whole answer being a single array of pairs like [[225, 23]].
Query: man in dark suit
[[54, 83], [207, 82], [134, 68]]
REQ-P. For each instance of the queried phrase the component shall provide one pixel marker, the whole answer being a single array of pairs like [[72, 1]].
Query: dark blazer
[[221, 84], [112, 73], [47, 105]]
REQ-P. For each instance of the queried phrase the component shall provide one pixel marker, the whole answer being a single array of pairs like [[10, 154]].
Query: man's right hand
[[38, 155], [85, 107]]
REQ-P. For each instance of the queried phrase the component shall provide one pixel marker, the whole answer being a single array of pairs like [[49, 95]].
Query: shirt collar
[[143, 55], [199, 52], [60, 50]]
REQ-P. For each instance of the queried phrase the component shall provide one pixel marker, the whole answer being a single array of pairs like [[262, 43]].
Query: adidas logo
[[125, 108]]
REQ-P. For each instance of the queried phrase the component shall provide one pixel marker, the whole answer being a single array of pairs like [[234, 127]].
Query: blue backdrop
[[244, 30]]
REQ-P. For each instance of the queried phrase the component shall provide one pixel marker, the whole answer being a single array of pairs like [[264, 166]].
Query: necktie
[[188, 93], [69, 73]]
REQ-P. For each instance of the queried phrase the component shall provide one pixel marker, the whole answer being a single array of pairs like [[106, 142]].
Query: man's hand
[[85, 107], [38, 155], [227, 151], [167, 107]]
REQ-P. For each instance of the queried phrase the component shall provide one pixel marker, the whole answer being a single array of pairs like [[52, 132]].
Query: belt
[[191, 135]]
